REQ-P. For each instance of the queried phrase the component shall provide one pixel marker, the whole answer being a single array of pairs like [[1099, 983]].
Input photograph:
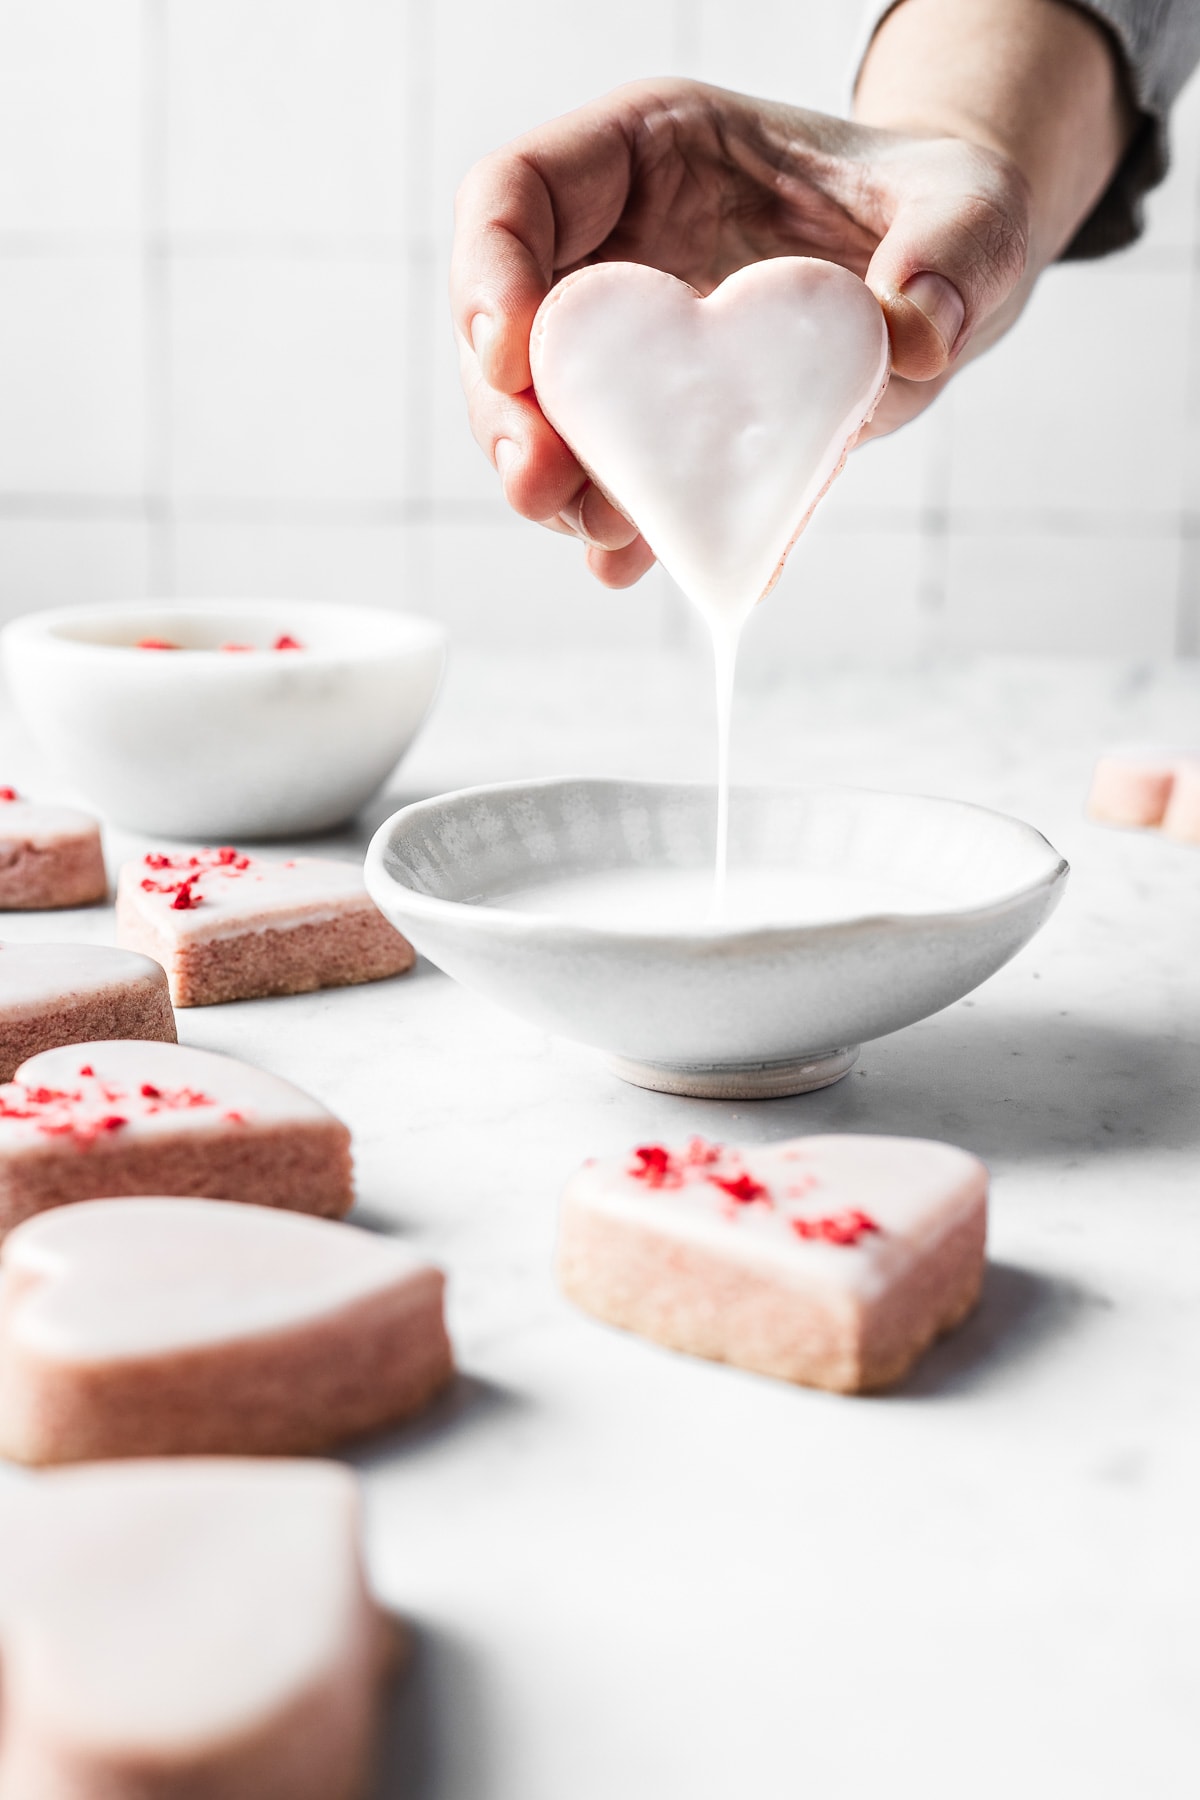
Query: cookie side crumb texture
[[52, 994], [50, 856], [828, 1261], [166, 1327], [88, 1121], [189, 1628], [226, 926]]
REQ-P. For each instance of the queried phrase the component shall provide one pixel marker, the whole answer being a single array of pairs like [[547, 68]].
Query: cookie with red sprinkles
[[132, 1117], [228, 926], [50, 856], [829, 1261]]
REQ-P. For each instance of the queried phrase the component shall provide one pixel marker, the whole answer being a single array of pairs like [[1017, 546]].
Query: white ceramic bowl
[[719, 1011], [202, 742]]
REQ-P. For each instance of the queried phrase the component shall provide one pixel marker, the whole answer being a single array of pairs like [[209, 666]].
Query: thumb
[[953, 252]]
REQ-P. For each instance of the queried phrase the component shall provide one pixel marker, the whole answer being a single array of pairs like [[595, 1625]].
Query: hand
[[699, 182]]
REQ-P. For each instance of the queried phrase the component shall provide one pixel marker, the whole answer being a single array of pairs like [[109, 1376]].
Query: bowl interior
[[211, 625], [484, 844]]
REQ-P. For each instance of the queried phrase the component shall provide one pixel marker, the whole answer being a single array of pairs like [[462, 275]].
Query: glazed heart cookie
[[54, 994], [187, 1628], [831, 1261], [131, 1117], [166, 1327], [715, 423]]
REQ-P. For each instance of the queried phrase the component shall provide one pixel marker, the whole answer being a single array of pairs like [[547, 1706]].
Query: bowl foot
[[739, 1081]]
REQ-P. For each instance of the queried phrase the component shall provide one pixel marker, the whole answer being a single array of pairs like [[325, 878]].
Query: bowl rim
[[509, 923], [414, 632]]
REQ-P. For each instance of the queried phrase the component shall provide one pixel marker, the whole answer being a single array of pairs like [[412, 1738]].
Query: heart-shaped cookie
[[130, 1117], [187, 1627], [715, 423], [227, 926], [165, 1327], [54, 994], [50, 856], [831, 1261]]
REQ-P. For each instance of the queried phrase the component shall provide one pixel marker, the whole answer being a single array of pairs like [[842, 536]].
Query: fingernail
[[573, 517], [507, 455], [483, 330], [941, 303]]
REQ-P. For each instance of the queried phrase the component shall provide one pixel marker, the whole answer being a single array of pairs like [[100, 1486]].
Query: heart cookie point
[[715, 423]]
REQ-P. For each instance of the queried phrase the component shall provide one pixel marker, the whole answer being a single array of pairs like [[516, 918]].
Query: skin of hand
[[986, 132]]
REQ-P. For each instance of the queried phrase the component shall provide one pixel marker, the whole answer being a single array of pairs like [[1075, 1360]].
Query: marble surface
[[637, 1576]]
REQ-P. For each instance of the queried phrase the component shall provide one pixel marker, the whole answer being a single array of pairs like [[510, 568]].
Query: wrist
[[1039, 83]]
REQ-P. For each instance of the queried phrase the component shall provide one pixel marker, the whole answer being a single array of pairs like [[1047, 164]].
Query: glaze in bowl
[[725, 1010], [204, 742]]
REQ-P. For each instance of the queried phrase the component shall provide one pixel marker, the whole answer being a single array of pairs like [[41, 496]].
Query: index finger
[[524, 215]]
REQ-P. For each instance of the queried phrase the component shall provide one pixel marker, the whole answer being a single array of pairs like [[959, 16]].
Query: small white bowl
[[211, 743], [721, 1011]]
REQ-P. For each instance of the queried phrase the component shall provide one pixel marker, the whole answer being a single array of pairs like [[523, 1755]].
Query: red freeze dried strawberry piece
[[743, 1188], [844, 1228], [656, 1166]]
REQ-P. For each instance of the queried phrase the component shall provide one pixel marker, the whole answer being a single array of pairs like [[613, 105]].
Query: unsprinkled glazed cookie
[[54, 994], [188, 1630], [1182, 817], [1136, 787], [50, 856], [92, 1120], [231, 927], [166, 1327], [831, 1261]]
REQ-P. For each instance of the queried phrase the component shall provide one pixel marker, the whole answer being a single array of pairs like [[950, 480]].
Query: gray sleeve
[[1159, 42]]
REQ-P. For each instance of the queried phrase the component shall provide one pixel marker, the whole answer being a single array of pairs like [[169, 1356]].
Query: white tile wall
[[225, 361], [282, 116], [72, 374], [71, 115], [287, 377]]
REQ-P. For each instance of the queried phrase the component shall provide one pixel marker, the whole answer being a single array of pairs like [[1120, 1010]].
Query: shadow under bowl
[[714, 1010], [200, 740]]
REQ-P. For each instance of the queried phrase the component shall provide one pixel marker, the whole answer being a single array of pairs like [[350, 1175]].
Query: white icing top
[[715, 424], [160, 1605], [1159, 758], [130, 1277], [52, 1102], [29, 822], [232, 893], [911, 1190], [35, 978]]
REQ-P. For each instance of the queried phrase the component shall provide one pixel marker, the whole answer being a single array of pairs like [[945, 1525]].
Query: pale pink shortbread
[[166, 1327], [1132, 786], [226, 926], [831, 1261], [129, 1117], [188, 1630], [68, 993], [49, 856], [1182, 817]]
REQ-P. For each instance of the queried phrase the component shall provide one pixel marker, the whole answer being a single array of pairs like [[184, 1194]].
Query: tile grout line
[[156, 284], [421, 260]]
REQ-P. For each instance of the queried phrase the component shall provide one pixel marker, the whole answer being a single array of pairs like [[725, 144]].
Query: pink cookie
[[715, 423], [231, 927], [832, 1261], [166, 1327], [188, 1630], [129, 1117], [1131, 786], [68, 993], [1182, 817], [49, 856]]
